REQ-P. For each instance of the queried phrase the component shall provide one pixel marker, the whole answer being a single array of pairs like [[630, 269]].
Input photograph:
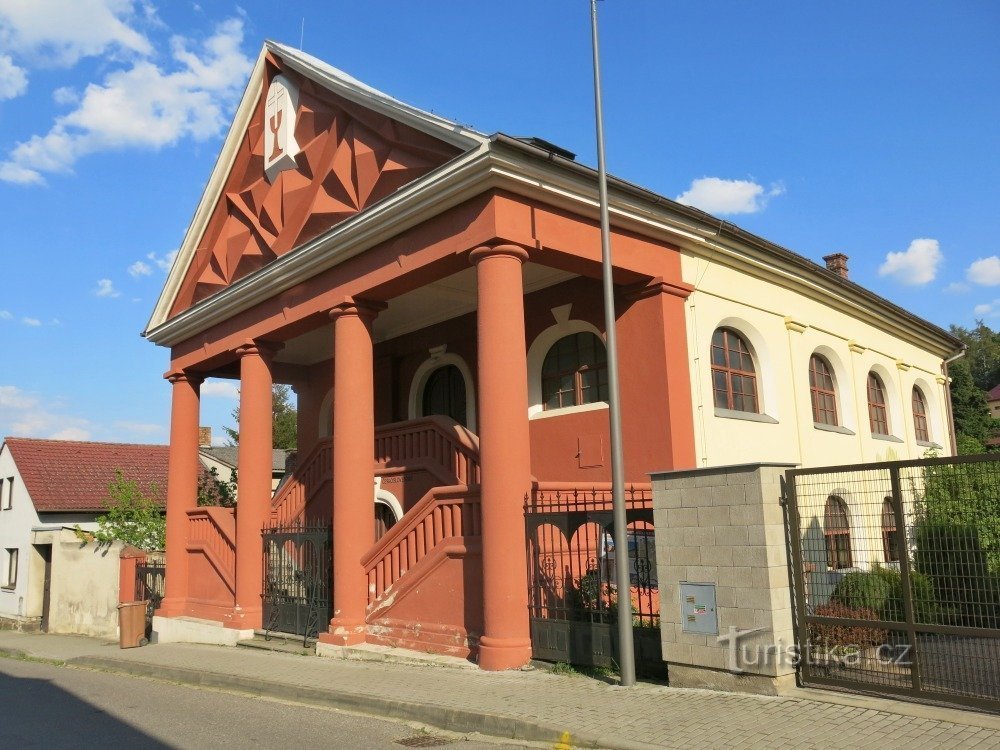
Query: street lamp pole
[[626, 652]]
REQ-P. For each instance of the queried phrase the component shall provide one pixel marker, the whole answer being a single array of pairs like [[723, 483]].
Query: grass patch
[[21, 656]]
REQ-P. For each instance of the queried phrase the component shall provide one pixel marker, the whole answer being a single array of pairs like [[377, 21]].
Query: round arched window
[[920, 416], [575, 372], [444, 393], [734, 380]]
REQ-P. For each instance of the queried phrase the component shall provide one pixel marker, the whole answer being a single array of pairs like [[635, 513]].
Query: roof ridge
[[61, 441]]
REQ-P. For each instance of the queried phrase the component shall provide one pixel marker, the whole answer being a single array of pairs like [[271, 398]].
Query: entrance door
[[385, 519], [298, 575], [45, 550]]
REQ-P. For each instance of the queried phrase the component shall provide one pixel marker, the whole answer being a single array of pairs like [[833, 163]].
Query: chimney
[[837, 263], [204, 437]]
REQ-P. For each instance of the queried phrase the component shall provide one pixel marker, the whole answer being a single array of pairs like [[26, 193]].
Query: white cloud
[[13, 78], [71, 433], [957, 287], [138, 269], [143, 106], [717, 196], [987, 309], [65, 95], [106, 288], [163, 262], [915, 266], [220, 389], [6, 315], [25, 414], [60, 32], [31, 322], [984, 271]]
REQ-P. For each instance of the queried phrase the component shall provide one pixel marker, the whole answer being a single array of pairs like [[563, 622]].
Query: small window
[[878, 417], [822, 391], [11, 580], [575, 372], [837, 530], [734, 380], [890, 534], [920, 416], [6, 493]]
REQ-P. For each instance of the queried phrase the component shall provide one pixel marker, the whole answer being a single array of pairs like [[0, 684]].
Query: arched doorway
[[444, 393], [388, 511]]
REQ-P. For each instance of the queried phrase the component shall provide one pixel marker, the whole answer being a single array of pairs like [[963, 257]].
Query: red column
[[504, 455], [353, 468], [182, 489], [253, 488]]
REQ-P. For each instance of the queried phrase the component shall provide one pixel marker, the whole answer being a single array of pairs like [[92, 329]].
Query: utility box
[[698, 613]]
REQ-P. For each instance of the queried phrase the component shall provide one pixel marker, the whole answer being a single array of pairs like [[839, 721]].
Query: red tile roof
[[67, 475]]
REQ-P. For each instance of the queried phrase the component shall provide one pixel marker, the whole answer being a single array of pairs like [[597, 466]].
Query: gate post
[[904, 575], [802, 640]]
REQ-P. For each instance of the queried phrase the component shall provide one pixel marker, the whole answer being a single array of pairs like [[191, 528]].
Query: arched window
[[890, 535], [444, 393], [837, 530], [878, 417], [822, 391], [734, 380], [575, 372], [920, 416]]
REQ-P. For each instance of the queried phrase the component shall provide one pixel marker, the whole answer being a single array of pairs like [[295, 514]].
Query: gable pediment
[[347, 156]]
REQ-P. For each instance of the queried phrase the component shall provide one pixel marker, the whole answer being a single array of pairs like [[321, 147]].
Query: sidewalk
[[536, 706]]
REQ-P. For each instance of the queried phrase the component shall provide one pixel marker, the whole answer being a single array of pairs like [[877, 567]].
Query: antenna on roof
[[302, 33]]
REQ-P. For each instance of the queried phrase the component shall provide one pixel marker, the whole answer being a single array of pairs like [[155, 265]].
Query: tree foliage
[[284, 420], [214, 491], [133, 517], [972, 377]]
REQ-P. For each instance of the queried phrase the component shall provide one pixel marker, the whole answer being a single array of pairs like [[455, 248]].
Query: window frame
[[6, 493], [839, 552], [729, 373], [878, 411], [890, 532], [818, 393], [921, 424], [10, 572], [578, 373]]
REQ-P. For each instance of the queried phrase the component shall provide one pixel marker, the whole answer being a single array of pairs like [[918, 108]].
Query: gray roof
[[230, 455]]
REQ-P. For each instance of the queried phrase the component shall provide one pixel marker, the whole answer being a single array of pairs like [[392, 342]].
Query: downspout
[[947, 392]]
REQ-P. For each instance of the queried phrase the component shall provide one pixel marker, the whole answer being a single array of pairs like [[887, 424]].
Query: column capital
[[489, 251], [181, 376], [657, 286], [365, 309], [265, 349]]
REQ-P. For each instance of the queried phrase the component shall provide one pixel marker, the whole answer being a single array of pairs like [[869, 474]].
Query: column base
[[497, 654], [245, 618], [344, 633], [172, 607]]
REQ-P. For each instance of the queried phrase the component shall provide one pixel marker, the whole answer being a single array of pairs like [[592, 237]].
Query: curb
[[449, 719]]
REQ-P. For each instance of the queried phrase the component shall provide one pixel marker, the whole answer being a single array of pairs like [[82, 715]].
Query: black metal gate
[[149, 581], [573, 596], [297, 579], [896, 571]]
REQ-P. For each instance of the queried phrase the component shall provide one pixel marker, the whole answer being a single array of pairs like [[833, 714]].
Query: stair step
[[281, 642]]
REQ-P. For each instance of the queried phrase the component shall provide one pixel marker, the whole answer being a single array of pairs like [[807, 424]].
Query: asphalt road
[[51, 707]]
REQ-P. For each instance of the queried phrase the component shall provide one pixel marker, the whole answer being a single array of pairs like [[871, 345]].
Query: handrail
[[594, 494], [443, 513], [213, 530], [433, 441]]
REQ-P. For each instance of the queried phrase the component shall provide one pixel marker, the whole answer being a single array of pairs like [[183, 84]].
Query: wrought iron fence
[[573, 595], [297, 579], [149, 581], [896, 570]]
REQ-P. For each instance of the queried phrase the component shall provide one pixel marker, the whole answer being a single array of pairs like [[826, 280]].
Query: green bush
[[880, 590], [950, 555]]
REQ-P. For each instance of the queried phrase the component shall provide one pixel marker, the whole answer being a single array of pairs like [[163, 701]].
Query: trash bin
[[132, 624]]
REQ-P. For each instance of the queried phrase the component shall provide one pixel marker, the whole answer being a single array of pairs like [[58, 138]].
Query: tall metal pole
[[626, 652]]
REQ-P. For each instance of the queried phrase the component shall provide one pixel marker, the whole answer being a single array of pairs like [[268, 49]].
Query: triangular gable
[[356, 146]]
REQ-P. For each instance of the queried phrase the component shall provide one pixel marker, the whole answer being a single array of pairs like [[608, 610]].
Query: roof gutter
[[947, 392]]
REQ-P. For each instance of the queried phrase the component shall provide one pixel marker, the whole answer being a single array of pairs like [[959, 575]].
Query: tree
[[972, 377], [213, 491], [983, 355], [284, 420], [132, 517]]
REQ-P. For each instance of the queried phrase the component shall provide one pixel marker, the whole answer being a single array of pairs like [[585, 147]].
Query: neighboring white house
[[50, 579], [224, 460]]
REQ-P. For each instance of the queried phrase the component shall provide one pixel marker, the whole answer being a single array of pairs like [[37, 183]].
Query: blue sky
[[873, 131]]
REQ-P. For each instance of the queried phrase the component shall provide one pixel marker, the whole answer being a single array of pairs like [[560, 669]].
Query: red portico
[[432, 294]]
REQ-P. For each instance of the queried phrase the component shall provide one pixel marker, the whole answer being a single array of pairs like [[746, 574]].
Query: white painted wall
[[15, 533], [784, 326]]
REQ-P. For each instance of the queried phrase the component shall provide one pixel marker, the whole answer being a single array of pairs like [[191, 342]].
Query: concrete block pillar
[[724, 527], [504, 455], [353, 467], [182, 490], [253, 488]]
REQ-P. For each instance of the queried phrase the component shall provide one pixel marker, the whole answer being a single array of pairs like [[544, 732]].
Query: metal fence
[[149, 580], [896, 572], [573, 596], [297, 579]]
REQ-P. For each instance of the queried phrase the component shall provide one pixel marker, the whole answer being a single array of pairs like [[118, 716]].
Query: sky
[[869, 129]]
